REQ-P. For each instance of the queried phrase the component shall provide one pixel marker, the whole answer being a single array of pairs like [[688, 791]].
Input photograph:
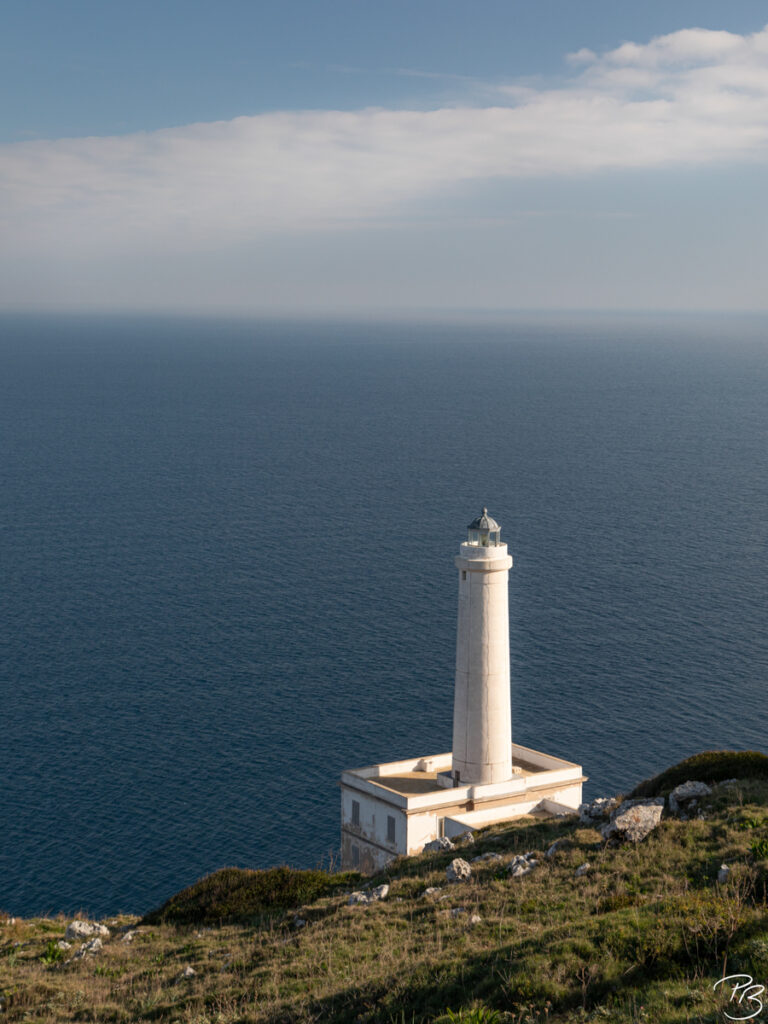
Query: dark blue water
[[227, 571]]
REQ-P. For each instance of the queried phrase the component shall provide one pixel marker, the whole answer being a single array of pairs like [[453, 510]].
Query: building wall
[[372, 834]]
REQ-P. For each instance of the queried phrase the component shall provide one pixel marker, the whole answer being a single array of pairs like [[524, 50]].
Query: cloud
[[689, 98]]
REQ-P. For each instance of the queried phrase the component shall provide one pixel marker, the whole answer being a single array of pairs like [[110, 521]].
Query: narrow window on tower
[[463, 574], [355, 856], [390, 829], [355, 812]]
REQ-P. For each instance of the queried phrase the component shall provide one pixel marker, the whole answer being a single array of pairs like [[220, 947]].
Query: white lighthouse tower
[[482, 714], [397, 807]]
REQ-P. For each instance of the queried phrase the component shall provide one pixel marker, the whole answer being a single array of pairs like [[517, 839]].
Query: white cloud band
[[694, 97]]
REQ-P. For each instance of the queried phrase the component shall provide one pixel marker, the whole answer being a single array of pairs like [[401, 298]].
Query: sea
[[227, 574]]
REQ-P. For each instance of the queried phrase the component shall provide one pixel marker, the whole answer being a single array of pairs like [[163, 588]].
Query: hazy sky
[[316, 155]]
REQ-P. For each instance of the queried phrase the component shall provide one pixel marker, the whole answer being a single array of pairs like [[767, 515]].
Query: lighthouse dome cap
[[484, 522]]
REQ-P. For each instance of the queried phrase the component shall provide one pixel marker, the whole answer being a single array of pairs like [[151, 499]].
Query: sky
[[303, 157]]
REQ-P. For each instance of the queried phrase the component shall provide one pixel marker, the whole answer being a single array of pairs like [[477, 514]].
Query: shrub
[[709, 766], [236, 895], [52, 954]]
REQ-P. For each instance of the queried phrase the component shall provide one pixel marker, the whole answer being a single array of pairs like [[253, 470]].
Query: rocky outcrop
[[684, 799], [78, 929], [596, 812], [363, 898], [522, 864], [633, 820], [89, 948], [437, 845], [458, 871]]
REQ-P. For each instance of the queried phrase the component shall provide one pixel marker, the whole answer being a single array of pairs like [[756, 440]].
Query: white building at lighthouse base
[[393, 809]]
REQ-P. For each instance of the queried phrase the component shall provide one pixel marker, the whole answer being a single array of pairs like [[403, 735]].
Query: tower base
[[388, 810]]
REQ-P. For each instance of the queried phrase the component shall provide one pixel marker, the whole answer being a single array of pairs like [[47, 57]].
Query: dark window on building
[[390, 829], [355, 812], [355, 856]]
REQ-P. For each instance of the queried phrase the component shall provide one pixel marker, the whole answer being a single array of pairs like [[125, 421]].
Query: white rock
[[89, 948], [520, 870], [432, 890], [596, 811], [78, 929], [723, 873], [686, 796], [364, 898], [554, 848], [475, 919], [436, 845], [188, 972], [522, 864], [582, 869], [458, 871], [466, 837], [62, 944], [633, 820], [128, 936], [486, 857]]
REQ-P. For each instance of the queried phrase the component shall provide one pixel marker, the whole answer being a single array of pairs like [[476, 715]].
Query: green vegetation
[[234, 895], [710, 766], [51, 954], [643, 936]]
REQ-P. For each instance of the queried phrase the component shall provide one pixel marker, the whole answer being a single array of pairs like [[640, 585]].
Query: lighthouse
[[482, 714], [398, 807]]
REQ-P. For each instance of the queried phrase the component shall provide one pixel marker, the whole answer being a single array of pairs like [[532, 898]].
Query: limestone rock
[[633, 820], [582, 869], [685, 797], [89, 948], [475, 919], [458, 871], [554, 848], [63, 944], [467, 837], [458, 911], [597, 811], [365, 898], [723, 873], [188, 972], [522, 864], [432, 890], [442, 843], [78, 929], [486, 857], [129, 936]]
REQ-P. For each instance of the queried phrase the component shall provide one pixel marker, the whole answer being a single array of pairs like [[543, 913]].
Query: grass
[[236, 895], [642, 937], [709, 766]]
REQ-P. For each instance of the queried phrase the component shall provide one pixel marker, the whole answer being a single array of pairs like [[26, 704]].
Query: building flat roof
[[426, 782]]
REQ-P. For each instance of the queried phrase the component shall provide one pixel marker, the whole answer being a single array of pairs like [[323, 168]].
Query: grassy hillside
[[643, 935]]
